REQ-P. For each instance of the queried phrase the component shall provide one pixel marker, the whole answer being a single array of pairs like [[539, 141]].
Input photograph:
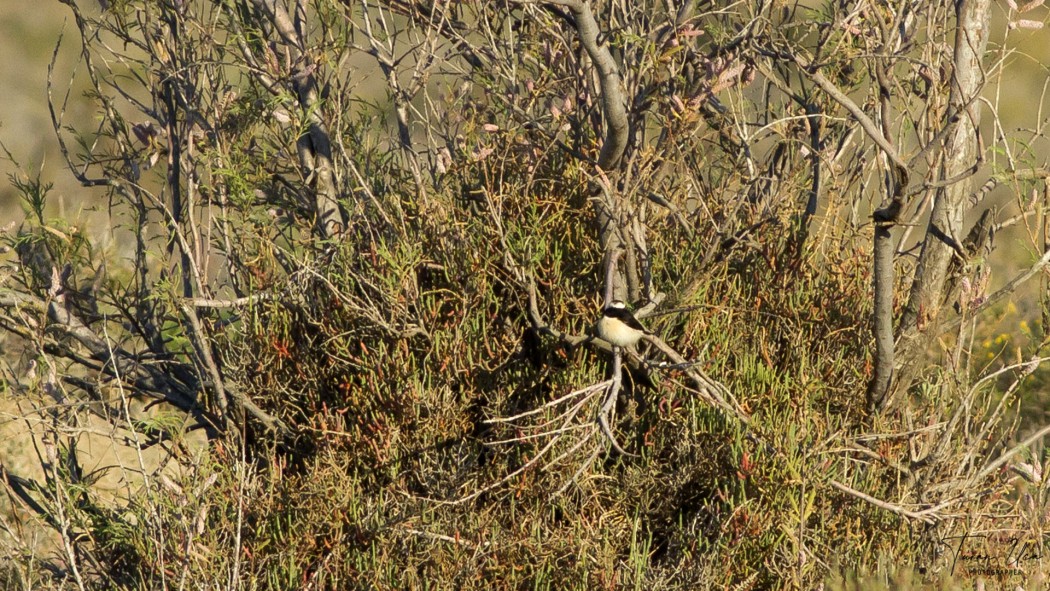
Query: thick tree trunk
[[943, 236]]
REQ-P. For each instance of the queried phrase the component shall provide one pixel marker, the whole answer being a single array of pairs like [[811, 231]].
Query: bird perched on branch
[[618, 326]]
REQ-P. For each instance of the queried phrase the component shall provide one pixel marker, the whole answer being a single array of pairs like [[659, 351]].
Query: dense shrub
[[344, 337]]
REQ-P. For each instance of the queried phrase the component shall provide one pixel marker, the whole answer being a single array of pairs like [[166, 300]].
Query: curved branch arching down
[[315, 145], [611, 222], [614, 103]]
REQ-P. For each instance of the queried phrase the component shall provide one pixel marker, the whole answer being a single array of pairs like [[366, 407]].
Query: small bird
[[618, 326]]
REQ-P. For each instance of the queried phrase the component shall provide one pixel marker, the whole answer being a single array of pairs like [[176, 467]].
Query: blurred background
[[29, 34]]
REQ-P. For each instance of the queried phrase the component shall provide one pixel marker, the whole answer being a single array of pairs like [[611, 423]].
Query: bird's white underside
[[618, 333]]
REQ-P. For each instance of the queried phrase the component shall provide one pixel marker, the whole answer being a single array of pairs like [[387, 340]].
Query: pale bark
[[945, 228]]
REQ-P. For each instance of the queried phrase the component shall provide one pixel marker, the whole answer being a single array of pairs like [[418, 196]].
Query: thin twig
[[993, 466], [609, 405], [554, 402], [896, 509]]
